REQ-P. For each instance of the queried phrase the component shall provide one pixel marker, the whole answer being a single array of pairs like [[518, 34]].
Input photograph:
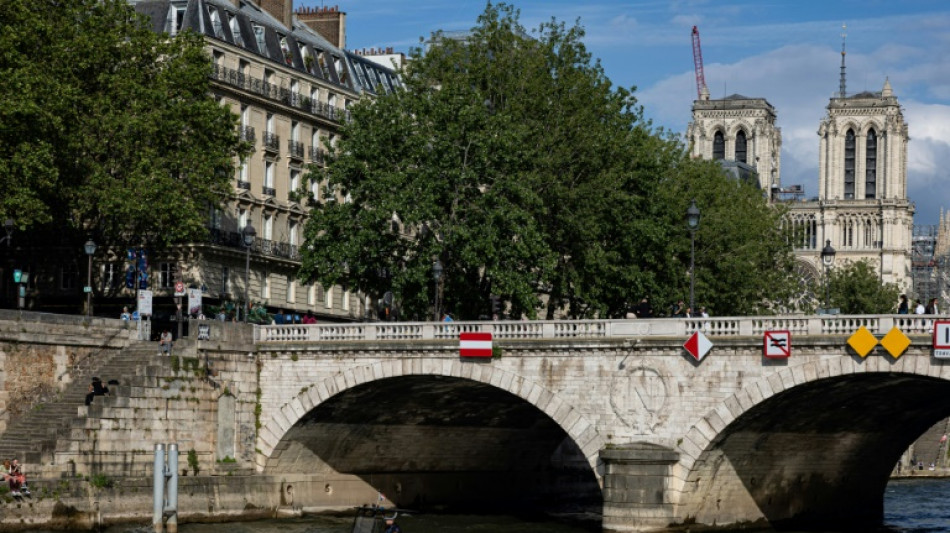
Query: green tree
[[516, 164], [107, 127], [855, 288]]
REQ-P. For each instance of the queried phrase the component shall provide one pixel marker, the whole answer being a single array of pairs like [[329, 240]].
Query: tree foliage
[[514, 162], [107, 128], [855, 288]]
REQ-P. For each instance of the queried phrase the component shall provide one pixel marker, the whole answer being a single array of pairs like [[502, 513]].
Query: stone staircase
[[32, 437]]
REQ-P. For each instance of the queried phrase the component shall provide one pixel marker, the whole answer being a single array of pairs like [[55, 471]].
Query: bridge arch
[[811, 445], [569, 419]]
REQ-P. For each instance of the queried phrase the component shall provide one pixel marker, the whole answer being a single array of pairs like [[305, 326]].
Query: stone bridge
[[611, 416]]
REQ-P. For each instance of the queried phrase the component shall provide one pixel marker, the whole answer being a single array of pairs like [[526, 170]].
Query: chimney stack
[[329, 22], [282, 10]]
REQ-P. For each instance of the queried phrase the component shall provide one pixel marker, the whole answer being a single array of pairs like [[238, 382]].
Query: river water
[[910, 506]]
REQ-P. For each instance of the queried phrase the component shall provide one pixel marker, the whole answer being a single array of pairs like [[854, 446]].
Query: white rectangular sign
[[942, 339], [145, 302], [194, 302]]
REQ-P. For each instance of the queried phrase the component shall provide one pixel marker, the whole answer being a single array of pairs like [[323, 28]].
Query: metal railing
[[271, 141], [295, 148], [232, 239], [317, 154], [276, 93], [587, 329], [247, 134]]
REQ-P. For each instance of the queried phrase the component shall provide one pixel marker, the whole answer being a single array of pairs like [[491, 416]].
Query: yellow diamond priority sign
[[895, 342], [862, 341]]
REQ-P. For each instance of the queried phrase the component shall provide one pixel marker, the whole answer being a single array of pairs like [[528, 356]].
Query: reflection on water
[[910, 506]]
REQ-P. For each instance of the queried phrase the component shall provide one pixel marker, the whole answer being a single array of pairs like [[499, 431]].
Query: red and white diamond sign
[[474, 344], [698, 345]]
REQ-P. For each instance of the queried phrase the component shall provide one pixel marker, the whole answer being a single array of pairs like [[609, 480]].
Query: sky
[[787, 51]]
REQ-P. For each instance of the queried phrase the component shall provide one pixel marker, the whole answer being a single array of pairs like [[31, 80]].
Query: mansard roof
[[278, 43]]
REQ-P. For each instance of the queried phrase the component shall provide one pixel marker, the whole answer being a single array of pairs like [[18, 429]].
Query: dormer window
[[215, 21], [259, 34], [235, 30]]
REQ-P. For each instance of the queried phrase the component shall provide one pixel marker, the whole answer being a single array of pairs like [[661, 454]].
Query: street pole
[[247, 235], [89, 290], [692, 222]]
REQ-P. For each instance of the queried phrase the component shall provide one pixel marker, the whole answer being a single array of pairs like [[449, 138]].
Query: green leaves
[[514, 162], [855, 288], [107, 128]]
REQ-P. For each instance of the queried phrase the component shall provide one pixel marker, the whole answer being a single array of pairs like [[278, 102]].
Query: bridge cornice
[[572, 331]]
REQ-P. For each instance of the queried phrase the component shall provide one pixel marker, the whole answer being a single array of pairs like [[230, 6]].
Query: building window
[[68, 277], [328, 298], [236, 33], [311, 295], [719, 146], [741, 147], [225, 281], [270, 123], [269, 174], [346, 300], [293, 233], [315, 189], [870, 164], [266, 288], [165, 275], [245, 171], [849, 165], [294, 180], [259, 34], [295, 130], [242, 218], [215, 21], [111, 275], [291, 290], [268, 228]]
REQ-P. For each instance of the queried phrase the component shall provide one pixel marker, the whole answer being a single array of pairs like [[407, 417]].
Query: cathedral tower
[[739, 132]]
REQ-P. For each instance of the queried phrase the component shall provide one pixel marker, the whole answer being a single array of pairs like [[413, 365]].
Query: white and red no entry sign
[[777, 344], [698, 345], [474, 344]]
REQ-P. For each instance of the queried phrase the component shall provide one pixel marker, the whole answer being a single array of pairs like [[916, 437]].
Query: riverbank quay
[[83, 504]]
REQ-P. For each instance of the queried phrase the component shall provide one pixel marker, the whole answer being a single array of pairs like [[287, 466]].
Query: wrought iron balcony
[[270, 191], [317, 155], [246, 185], [271, 141], [247, 134], [295, 148], [233, 239], [274, 92]]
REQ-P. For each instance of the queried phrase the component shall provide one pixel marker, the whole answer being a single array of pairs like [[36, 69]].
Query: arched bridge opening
[[816, 456], [439, 442]]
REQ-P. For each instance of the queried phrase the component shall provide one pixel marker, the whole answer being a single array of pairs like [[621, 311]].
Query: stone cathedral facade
[[861, 208]]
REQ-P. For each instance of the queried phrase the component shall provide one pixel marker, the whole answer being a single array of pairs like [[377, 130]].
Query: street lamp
[[692, 222], [827, 259], [247, 235], [8, 226], [437, 276], [90, 247]]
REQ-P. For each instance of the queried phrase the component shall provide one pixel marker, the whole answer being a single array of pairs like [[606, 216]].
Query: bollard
[[171, 525], [158, 489]]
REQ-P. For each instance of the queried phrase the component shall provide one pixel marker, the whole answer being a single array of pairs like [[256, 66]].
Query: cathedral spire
[[842, 92]]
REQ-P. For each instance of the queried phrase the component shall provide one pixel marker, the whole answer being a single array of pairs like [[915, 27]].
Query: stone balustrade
[[572, 329]]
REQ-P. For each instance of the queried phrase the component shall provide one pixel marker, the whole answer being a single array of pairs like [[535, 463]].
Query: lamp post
[[827, 259], [437, 276], [90, 248], [692, 222], [247, 235], [8, 227]]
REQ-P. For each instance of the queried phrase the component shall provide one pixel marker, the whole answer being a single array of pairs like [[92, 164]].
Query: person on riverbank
[[391, 526], [165, 343], [16, 480]]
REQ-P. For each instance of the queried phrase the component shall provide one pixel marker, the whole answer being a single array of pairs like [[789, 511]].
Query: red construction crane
[[698, 64]]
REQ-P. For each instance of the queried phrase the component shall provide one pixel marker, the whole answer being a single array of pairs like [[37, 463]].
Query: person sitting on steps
[[17, 480], [165, 343], [96, 388]]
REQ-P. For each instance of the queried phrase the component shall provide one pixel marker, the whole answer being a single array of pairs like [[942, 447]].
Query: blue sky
[[785, 51]]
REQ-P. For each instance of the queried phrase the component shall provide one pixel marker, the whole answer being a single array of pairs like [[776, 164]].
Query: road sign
[[475, 344], [179, 288], [777, 344], [698, 345], [942, 339]]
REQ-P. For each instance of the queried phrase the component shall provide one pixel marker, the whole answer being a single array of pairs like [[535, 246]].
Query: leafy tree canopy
[[106, 127], [855, 288], [514, 162]]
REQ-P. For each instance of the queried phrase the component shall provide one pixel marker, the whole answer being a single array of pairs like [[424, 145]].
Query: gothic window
[[870, 174], [849, 165], [741, 147], [719, 146]]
